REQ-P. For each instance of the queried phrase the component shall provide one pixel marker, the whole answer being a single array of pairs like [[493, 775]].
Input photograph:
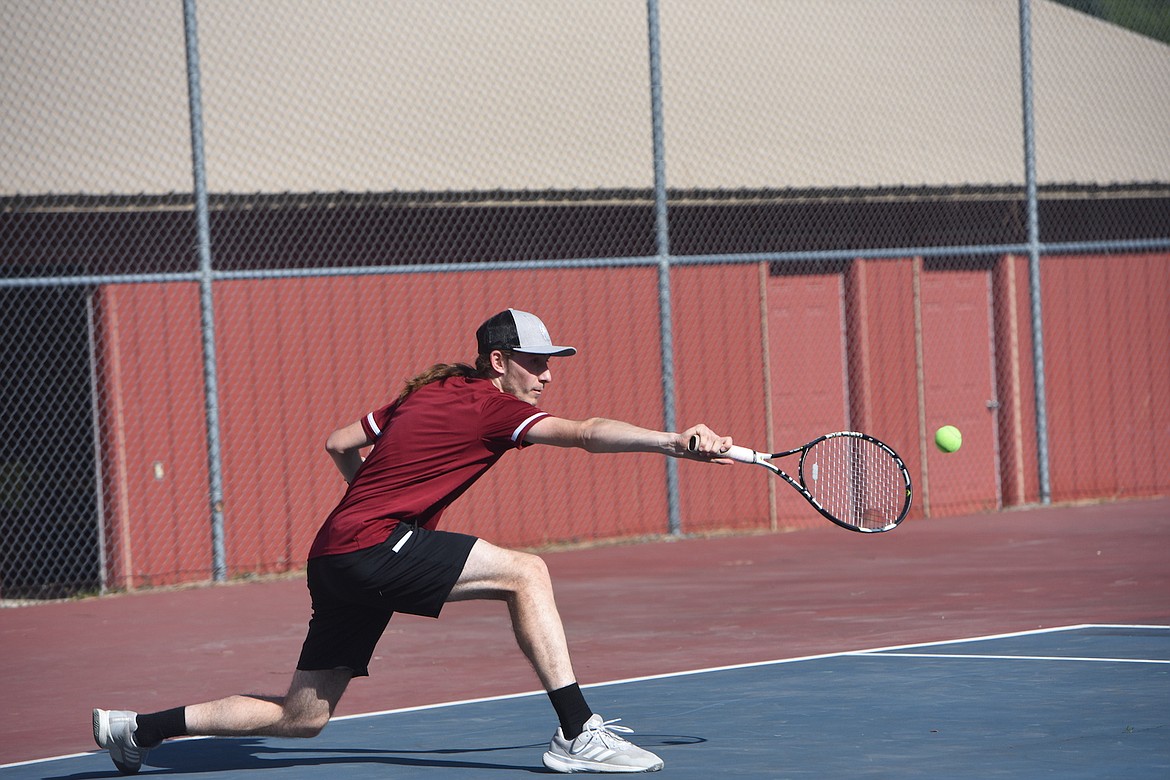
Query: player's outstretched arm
[[599, 434]]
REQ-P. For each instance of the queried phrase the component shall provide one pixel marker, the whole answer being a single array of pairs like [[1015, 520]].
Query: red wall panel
[[958, 382], [882, 365], [1107, 374], [300, 357], [152, 435], [809, 388], [719, 369]]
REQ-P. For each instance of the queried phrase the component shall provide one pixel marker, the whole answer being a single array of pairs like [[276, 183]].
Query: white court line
[[755, 664], [43, 760], [876, 652], [973, 656]]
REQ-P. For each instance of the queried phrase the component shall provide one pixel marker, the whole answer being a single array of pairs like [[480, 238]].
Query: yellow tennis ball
[[948, 438]]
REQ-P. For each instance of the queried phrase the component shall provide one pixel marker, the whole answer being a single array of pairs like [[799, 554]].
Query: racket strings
[[856, 481]]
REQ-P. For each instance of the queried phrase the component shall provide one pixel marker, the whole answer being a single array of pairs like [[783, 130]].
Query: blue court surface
[[1088, 701]]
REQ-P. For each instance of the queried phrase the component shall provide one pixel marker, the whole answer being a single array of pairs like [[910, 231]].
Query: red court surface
[[630, 610]]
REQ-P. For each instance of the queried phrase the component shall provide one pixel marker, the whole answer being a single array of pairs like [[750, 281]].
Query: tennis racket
[[852, 479]]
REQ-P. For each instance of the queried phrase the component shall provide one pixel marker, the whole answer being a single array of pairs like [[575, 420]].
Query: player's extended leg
[[302, 712], [522, 580], [585, 742]]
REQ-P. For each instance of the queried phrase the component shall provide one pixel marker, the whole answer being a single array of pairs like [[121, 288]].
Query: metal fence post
[[1034, 251], [662, 225], [203, 239]]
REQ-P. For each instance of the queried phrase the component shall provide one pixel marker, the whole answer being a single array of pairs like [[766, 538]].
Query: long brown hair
[[440, 371]]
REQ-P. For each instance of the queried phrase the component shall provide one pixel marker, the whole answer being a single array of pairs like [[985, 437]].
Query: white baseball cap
[[518, 331]]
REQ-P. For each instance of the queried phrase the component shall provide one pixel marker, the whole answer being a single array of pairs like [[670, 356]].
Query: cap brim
[[551, 350]]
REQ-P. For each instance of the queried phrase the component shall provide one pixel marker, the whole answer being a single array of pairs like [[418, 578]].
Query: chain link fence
[[227, 229]]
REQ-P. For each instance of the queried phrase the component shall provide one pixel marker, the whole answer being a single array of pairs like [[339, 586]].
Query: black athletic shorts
[[354, 594]]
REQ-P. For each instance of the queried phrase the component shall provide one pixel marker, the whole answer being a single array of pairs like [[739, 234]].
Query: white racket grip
[[735, 452], [743, 454]]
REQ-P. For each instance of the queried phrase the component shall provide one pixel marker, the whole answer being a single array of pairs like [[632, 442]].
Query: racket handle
[[734, 452], [742, 454]]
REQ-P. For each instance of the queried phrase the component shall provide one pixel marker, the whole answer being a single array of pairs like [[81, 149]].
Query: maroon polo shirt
[[428, 450]]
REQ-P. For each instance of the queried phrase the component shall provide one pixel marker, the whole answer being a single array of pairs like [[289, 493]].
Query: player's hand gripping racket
[[852, 479]]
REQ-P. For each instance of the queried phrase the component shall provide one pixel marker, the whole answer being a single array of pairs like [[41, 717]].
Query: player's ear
[[497, 360]]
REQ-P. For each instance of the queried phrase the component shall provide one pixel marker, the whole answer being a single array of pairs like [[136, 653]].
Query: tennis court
[[1080, 701], [1021, 644]]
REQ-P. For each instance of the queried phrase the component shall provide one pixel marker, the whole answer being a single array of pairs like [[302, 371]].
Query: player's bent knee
[[306, 727], [534, 571], [305, 722]]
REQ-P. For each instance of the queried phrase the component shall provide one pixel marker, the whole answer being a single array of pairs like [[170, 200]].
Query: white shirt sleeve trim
[[373, 425], [516, 434]]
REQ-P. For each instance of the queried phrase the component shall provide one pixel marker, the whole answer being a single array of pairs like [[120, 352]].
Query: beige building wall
[[338, 95]]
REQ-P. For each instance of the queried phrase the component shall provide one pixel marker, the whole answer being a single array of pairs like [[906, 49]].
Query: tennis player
[[379, 551]]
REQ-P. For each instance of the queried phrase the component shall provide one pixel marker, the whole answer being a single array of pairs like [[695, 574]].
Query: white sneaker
[[599, 749], [113, 730]]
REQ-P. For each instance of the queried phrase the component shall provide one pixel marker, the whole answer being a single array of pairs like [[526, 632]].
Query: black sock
[[571, 709], [157, 726]]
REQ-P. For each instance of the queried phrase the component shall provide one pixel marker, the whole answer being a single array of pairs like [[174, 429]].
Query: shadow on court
[[242, 757], [229, 756]]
